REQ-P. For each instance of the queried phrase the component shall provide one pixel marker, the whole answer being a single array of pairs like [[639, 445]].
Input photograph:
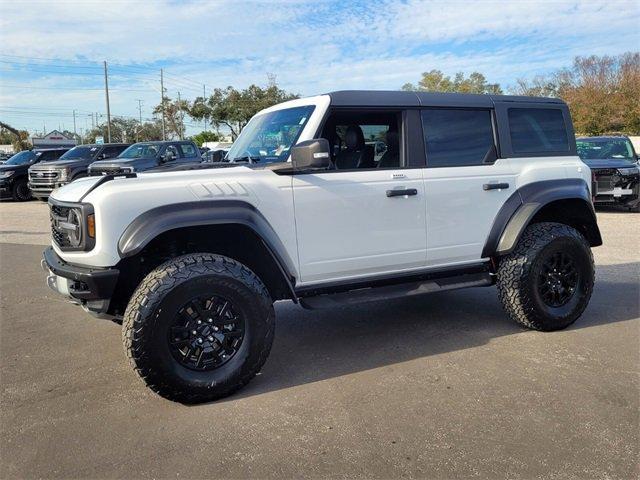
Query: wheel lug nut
[[199, 340], [210, 320], [199, 322], [193, 332], [210, 338]]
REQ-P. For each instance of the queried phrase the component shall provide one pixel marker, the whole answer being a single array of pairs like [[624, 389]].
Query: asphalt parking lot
[[443, 386]]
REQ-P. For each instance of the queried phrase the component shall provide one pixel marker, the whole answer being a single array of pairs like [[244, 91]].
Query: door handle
[[495, 186], [402, 192]]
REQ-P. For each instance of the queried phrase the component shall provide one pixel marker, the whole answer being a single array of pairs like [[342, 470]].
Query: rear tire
[[199, 327], [547, 281], [21, 191]]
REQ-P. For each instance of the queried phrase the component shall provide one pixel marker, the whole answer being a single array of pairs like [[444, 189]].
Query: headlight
[[6, 174], [628, 171], [73, 226], [64, 173]]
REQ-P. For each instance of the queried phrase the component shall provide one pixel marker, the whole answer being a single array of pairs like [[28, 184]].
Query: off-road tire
[[149, 315], [21, 192], [518, 276]]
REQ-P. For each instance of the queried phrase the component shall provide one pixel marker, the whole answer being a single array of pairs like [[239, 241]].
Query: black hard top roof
[[163, 142], [398, 98]]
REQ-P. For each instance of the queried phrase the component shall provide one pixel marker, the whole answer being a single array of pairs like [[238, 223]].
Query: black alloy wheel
[[206, 333]]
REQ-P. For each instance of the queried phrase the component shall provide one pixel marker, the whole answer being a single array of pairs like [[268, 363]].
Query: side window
[[362, 140], [458, 137], [173, 149], [111, 152], [537, 130], [188, 150]]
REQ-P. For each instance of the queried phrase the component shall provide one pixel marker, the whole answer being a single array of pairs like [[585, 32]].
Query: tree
[[18, 138], [174, 113], [206, 136], [602, 92], [436, 81], [233, 108], [126, 130]]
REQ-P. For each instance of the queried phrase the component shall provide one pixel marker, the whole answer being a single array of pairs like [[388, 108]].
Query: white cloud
[[312, 46]]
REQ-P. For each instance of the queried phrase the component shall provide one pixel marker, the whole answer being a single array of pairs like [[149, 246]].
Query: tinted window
[[112, 152], [80, 152], [22, 158], [141, 150], [537, 130], [188, 150], [457, 138]]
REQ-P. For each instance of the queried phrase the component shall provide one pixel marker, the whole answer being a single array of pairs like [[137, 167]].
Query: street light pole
[[106, 92], [139, 126], [164, 136]]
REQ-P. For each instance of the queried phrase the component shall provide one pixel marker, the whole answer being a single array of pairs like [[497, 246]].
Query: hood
[[137, 163], [9, 168], [74, 191], [72, 162], [609, 163]]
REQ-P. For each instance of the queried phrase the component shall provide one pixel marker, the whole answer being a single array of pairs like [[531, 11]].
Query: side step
[[481, 279]]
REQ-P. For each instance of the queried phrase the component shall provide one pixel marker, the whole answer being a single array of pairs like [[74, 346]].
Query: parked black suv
[[614, 164], [45, 178], [13, 172], [149, 156]]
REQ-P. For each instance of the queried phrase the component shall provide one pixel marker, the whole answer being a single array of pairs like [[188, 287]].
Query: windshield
[[141, 150], [592, 149], [80, 152], [267, 138], [22, 158]]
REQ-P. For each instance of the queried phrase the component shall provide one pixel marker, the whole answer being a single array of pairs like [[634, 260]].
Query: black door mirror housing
[[311, 155]]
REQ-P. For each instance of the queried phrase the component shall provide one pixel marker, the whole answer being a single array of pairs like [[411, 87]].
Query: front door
[[367, 215]]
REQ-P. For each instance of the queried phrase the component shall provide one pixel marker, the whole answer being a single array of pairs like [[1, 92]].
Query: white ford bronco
[[471, 190]]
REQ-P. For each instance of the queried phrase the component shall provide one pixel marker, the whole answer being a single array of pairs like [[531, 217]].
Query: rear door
[[465, 183], [369, 219]]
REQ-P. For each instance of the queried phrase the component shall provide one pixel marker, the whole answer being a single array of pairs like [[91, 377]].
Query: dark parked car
[[149, 155], [13, 172], [614, 164], [44, 178]]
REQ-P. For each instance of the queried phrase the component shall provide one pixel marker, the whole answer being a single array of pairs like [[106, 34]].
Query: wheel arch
[[232, 228], [566, 201]]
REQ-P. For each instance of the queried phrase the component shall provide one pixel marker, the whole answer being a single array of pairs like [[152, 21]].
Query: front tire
[[199, 327], [547, 281], [21, 191]]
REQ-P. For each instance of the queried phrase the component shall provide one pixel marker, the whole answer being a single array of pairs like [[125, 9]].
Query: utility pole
[[139, 126], [181, 126], [74, 122], [106, 92], [204, 100], [164, 136]]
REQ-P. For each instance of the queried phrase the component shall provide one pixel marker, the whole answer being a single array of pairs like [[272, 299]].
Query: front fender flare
[[158, 220]]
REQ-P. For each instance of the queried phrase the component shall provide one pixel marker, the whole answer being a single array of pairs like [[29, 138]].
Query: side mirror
[[311, 155]]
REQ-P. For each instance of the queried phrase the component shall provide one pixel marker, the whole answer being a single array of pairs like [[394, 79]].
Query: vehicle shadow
[[314, 345]]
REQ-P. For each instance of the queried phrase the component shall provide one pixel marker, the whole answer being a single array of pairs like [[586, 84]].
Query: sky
[[52, 53]]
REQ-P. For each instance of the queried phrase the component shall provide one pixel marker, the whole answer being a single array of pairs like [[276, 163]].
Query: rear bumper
[[90, 287]]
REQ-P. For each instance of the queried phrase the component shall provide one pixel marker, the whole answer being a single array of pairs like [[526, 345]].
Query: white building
[[53, 139]]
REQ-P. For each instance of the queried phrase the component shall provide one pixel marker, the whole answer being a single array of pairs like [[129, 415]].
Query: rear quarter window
[[537, 130]]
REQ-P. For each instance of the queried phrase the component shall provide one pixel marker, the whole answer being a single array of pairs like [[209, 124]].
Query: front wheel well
[[235, 241]]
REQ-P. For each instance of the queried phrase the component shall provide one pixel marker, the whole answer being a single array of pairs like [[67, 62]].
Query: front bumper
[[6, 187], [90, 287], [44, 189]]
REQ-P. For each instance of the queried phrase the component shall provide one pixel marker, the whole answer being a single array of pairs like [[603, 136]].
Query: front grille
[[43, 176], [605, 183], [604, 171], [109, 170]]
